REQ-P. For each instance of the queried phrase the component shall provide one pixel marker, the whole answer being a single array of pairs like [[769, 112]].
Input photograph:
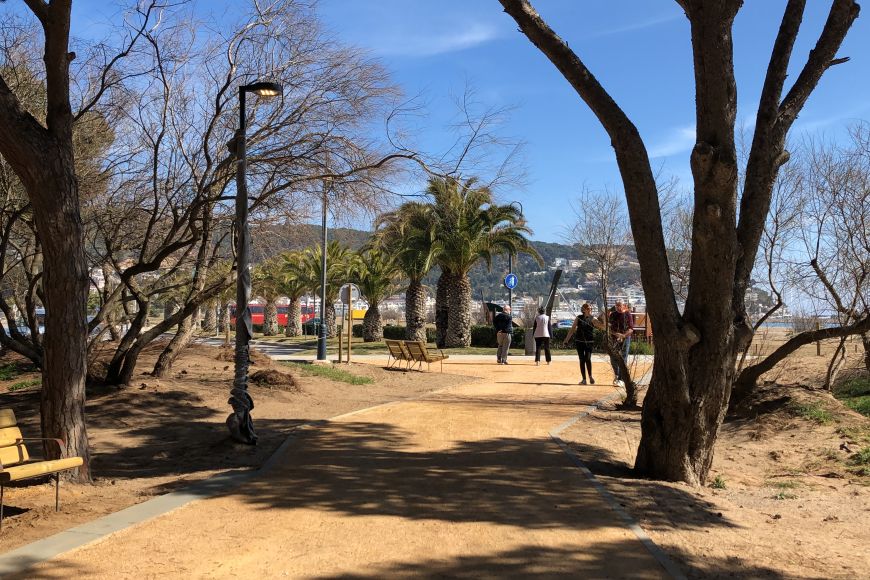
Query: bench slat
[[7, 418], [13, 454], [9, 436], [39, 468]]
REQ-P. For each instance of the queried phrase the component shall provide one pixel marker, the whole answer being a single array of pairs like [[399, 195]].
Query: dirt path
[[462, 483]]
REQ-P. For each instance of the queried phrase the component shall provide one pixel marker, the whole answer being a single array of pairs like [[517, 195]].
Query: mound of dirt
[[227, 353], [273, 379]]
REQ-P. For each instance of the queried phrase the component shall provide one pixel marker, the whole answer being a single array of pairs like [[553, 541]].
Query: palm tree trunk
[[270, 318], [330, 319], [415, 311], [373, 328], [294, 318], [442, 307], [459, 315]]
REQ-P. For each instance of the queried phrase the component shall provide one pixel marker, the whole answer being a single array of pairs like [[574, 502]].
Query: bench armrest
[[61, 443]]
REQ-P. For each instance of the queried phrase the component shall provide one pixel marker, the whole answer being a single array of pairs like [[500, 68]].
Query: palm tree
[[471, 227], [267, 280], [377, 276], [293, 285], [408, 234], [339, 268]]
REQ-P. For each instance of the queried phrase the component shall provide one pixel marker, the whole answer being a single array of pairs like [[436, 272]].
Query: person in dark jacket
[[503, 330], [583, 332]]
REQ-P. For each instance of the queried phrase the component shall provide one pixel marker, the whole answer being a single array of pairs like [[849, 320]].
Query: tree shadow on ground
[[361, 469], [598, 560]]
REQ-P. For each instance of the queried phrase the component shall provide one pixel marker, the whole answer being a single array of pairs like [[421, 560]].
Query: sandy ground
[[790, 507], [461, 483], [159, 434]]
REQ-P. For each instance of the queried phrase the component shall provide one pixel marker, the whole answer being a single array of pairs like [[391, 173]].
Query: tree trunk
[[415, 311], [226, 322], [373, 327], [209, 325], [294, 318], [442, 308], [330, 320], [175, 347], [459, 315], [865, 339], [65, 285], [270, 318]]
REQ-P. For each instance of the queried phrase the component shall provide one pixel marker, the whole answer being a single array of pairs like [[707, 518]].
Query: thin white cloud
[[678, 140], [649, 23], [423, 44]]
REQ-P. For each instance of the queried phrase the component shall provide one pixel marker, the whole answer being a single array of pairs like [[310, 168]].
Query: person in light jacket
[[542, 336]]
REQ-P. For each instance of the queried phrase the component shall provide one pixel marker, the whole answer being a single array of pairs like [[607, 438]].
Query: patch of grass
[[812, 412], [330, 372], [858, 433], [784, 495], [855, 394], [861, 458], [9, 372], [24, 384], [718, 482]]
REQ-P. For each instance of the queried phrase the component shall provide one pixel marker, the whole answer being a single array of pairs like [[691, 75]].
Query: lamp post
[[239, 422], [321, 335]]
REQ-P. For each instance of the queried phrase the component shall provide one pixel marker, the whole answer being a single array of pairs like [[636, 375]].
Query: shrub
[[397, 332], [357, 330], [483, 335], [641, 347], [812, 412], [718, 483]]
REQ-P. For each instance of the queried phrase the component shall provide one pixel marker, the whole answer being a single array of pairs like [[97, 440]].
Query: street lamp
[[239, 422], [321, 335]]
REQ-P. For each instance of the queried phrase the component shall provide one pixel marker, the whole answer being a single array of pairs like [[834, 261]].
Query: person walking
[[503, 332], [541, 328], [621, 325], [583, 332]]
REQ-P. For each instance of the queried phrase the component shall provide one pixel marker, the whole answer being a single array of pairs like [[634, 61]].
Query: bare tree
[[602, 233], [696, 349]]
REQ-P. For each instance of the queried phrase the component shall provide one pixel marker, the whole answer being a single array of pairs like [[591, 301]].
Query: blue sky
[[639, 49]]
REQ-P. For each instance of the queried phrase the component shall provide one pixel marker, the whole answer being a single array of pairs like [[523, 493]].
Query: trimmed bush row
[[484, 336]]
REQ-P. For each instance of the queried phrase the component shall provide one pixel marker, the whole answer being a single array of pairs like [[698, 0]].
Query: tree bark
[[442, 308], [373, 327], [175, 347], [270, 318], [415, 311], [294, 318], [210, 323], [330, 320], [865, 340], [459, 315]]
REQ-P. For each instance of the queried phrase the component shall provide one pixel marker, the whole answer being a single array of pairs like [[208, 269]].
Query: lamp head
[[265, 89]]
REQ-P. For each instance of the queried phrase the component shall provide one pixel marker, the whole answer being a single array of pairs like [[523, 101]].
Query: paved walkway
[[462, 483]]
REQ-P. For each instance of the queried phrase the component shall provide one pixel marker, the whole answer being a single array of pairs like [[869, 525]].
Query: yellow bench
[[398, 352], [15, 463], [420, 354]]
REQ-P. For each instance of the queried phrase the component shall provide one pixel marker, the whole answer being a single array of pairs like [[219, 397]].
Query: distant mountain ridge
[[486, 283]]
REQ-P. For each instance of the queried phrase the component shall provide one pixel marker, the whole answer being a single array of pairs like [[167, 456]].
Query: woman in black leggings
[[583, 332]]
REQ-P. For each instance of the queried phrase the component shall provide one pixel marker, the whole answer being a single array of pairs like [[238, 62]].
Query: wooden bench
[[420, 354], [15, 463], [398, 352]]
